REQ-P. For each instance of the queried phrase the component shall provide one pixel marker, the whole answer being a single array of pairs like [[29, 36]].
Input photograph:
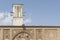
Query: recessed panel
[[6, 34], [50, 34], [39, 34]]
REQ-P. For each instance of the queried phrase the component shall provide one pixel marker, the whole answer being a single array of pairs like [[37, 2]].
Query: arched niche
[[22, 36]]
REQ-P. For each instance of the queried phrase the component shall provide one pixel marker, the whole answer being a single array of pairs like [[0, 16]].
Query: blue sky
[[37, 12]]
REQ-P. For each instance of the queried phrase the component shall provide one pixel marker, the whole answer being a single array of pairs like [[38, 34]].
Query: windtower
[[17, 14]]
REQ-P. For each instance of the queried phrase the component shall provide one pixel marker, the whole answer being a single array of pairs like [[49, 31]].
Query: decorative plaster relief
[[50, 34], [6, 34], [22, 36], [31, 32], [39, 34], [28, 33], [15, 31]]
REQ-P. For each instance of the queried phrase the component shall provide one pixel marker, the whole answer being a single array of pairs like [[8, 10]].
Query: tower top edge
[[17, 4]]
